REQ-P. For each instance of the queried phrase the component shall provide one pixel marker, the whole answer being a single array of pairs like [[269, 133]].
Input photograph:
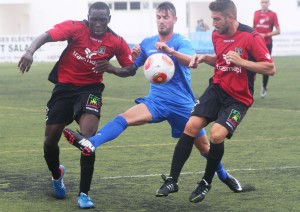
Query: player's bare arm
[[27, 58], [202, 58], [105, 66], [182, 58], [267, 68]]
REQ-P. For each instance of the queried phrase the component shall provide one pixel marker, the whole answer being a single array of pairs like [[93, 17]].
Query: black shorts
[[68, 102], [217, 105]]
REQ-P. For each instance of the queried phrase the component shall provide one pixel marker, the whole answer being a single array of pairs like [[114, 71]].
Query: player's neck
[[264, 10], [232, 30], [165, 38]]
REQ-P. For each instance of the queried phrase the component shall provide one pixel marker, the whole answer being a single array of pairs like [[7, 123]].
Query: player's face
[[265, 4], [220, 22], [98, 21], [165, 22]]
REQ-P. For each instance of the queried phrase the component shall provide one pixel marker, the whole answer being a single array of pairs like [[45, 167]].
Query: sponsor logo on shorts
[[233, 119], [47, 111], [197, 103], [93, 103]]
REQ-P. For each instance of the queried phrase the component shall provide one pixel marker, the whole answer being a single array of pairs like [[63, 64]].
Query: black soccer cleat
[[77, 140], [233, 183], [200, 191], [169, 186]]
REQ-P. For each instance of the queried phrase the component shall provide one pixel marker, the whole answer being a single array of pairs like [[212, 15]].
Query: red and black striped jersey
[[238, 82], [264, 22], [76, 63]]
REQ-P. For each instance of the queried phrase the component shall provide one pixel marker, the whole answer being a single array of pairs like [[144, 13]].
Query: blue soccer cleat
[[58, 185], [84, 201]]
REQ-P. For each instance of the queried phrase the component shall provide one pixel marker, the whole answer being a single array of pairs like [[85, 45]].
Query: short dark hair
[[99, 6], [226, 7], [167, 6]]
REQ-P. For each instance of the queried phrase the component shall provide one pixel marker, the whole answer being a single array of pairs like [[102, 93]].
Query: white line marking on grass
[[190, 173]]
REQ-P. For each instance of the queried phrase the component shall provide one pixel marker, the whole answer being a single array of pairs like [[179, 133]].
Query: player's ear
[[109, 19], [175, 19]]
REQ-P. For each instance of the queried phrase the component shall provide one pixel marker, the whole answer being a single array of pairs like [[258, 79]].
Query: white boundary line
[[190, 173]]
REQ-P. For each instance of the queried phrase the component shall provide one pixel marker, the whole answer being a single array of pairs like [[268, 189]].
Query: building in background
[[21, 20]]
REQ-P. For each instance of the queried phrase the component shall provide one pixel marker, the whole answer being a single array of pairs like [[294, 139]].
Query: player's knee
[[216, 137]]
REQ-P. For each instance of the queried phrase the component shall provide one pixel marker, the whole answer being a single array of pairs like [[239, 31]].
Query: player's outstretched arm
[[267, 68], [27, 58], [202, 58], [105, 66]]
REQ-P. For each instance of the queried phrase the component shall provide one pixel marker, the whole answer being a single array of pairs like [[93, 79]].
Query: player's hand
[[162, 46], [234, 58], [196, 59], [103, 66], [25, 62], [135, 51], [263, 35]]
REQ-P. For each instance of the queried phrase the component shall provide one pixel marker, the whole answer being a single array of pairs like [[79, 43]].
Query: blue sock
[[221, 172], [109, 131]]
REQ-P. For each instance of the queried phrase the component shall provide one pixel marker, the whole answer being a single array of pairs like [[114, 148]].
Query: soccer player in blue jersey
[[172, 101]]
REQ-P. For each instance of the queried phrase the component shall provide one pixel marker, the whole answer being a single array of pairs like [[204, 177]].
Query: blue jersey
[[178, 90], [172, 101]]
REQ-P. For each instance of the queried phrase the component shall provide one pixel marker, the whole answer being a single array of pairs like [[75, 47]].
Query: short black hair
[[99, 6], [167, 6], [226, 7]]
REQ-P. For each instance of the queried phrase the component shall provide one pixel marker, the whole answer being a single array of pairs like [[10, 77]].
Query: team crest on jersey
[[101, 50], [234, 118], [239, 51], [93, 103]]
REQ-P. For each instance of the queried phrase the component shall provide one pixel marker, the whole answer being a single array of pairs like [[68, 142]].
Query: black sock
[[265, 80], [182, 152], [86, 174], [51, 155], [214, 157]]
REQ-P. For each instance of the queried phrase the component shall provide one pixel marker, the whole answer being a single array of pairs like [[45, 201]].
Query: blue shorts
[[176, 114]]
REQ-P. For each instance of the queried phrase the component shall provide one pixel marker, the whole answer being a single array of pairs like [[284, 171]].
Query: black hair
[[167, 6], [99, 6], [226, 7]]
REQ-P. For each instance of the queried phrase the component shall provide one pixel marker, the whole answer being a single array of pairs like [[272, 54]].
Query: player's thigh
[[59, 110], [137, 115]]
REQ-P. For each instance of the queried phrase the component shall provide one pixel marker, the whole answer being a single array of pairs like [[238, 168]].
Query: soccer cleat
[[263, 92], [84, 201], [77, 140], [169, 186], [233, 183], [58, 185], [200, 191]]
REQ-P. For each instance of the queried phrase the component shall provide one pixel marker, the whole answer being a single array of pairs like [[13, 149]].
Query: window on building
[[135, 5], [120, 5], [145, 5], [110, 5], [155, 5]]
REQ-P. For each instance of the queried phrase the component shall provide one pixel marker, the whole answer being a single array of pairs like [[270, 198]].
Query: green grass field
[[263, 153]]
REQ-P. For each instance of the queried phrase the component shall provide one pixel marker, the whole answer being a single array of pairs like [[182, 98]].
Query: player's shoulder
[[245, 28], [114, 36], [272, 12], [257, 11]]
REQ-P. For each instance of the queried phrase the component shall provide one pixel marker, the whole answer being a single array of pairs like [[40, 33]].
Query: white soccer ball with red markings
[[159, 68]]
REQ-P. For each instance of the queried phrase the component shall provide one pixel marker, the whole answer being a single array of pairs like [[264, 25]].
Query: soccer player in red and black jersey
[[78, 78], [264, 22], [240, 53]]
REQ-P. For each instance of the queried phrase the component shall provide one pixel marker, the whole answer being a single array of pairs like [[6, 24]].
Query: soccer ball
[[159, 68]]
